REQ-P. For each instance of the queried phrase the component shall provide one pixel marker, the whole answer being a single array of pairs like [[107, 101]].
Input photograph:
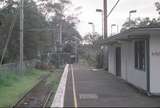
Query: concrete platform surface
[[98, 88]]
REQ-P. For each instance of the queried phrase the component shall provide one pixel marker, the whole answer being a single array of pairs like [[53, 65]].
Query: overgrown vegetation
[[13, 86], [54, 79], [88, 55], [91, 49]]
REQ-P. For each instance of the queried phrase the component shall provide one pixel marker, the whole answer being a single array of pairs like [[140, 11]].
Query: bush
[[44, 66]]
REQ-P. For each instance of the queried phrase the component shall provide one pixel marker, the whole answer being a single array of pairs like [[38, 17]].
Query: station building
[[134, 55]]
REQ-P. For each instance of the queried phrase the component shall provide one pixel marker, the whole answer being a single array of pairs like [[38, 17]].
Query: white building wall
[[132, 75], [128, 71], [124, 61], [105, 59], [155, 63], [135, 76], [111, 58]]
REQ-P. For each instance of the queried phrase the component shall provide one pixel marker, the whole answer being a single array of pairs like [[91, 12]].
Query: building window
[[140, 54]]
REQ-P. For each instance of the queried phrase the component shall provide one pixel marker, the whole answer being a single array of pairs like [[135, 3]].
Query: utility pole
[[105, 48], [21, 34], [60, 34], [59, 42], [105, 19]]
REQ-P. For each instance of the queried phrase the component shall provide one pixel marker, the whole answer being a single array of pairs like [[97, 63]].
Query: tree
[[51, 8], [36, 16], [140, 23], [68, 48], [32, 40], [157, 5], [58, 17], [143, 22], [93, 40]]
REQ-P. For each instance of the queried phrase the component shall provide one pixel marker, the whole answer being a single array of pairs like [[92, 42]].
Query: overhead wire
[[113, 8]]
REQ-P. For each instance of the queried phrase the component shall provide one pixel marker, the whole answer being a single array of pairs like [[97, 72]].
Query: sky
[[145, 8]]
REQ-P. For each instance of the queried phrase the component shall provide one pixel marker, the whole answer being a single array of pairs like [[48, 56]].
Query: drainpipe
[[148, 66]]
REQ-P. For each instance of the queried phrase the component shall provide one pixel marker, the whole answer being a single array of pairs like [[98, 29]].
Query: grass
[[13, 86], [54, 79]]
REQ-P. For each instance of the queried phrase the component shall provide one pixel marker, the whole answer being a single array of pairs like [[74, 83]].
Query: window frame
[[140, 54]]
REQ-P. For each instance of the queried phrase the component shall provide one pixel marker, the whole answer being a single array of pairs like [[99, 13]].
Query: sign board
[[156, 53]]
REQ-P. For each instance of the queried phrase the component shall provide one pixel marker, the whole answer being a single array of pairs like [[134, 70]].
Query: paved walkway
[[98, 88]]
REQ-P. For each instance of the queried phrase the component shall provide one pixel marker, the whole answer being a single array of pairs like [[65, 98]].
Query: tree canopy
[[143, 22], [38, 25]]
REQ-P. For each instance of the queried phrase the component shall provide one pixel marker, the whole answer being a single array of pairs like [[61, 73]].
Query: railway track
[[38, 96], [47, 99]]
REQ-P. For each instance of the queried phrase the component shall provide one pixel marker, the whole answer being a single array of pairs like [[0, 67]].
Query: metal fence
[[14, 67]]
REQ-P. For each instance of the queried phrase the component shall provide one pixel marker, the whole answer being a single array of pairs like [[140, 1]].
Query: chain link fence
[[14, 67]]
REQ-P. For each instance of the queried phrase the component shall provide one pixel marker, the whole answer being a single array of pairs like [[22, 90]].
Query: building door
[[118, 61]]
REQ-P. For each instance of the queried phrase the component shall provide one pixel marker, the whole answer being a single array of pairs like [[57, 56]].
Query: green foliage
[[157, 5], [54, 79], [13, 86], [37, 15], [93, 40], [88, 54], [33, 41], [91, 49], [68, 48], [143, 22], [6, 78], [48, 6]]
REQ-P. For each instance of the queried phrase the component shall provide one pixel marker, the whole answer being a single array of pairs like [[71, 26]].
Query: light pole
[[93, 27], [112, 28], [117, 28], [21, 34], [101, 11], [130, 12], [114, 25]]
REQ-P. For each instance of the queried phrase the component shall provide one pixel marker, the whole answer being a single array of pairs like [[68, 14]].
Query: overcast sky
[[145, 8]]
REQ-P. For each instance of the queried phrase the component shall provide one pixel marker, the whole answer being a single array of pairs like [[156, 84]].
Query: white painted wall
[[105, 57], [111, 58], [124, 60], [155, 63], [129, 73], [134, 76]]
